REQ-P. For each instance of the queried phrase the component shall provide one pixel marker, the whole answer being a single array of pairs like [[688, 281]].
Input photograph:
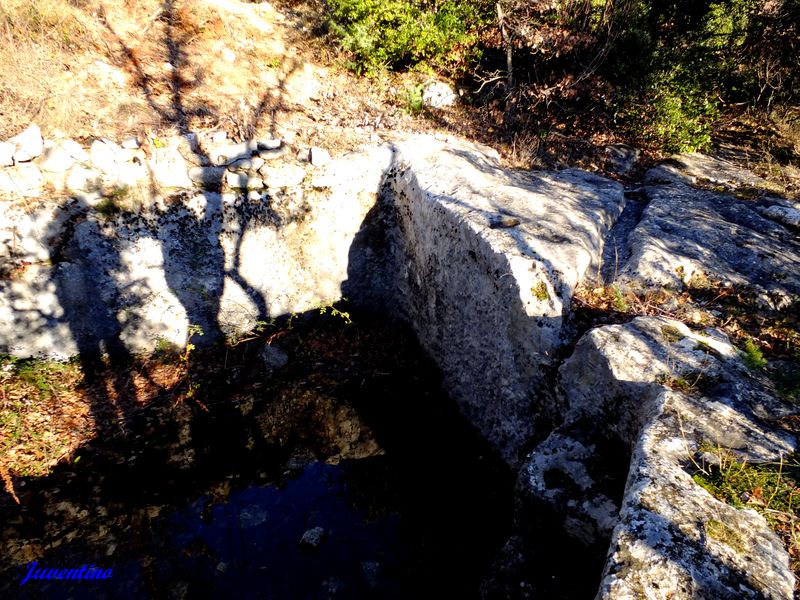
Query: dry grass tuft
[[39, 40], [60, 24]]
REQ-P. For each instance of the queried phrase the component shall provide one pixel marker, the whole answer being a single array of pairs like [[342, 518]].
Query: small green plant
[[671, 333], [163, 348], [191, 331], [752, 355], [678, 383], [335, 312], [540, 292], [413, 99], [273, 62], [108, 207], [619, 301], [235, 338], [687, 381], [723, 533], [192, 387], [262, 326], [163, 345], [119, 192]]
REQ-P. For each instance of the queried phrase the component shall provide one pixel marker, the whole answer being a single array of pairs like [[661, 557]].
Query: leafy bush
[[399, 33], [769, 52], [678, 64], [680, 114], [672, 69]]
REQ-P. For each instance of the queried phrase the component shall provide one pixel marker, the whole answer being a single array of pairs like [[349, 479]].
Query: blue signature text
[[84, 572]]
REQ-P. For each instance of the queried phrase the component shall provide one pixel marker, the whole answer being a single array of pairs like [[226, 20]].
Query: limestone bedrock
[[685, 232], [669, 536], [482, 261]]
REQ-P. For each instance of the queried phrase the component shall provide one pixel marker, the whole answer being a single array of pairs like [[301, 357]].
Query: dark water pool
[[345, 473]]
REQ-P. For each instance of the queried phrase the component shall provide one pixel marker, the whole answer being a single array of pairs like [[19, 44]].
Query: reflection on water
[[345, 473], [249, 545]]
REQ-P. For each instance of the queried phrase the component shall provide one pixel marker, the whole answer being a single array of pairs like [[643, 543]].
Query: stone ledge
[[660, 544]]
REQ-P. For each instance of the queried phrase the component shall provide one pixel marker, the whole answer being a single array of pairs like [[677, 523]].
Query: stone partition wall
[[482, 262], [83, 279]]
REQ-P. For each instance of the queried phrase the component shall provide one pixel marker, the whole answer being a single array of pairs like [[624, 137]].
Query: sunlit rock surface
[[483, 263], [685, 232]]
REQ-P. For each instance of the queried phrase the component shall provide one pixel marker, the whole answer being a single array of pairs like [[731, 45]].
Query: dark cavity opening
[[321, 460]]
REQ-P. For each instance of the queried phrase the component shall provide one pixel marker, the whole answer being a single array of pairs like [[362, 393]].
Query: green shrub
[[676, 68], [682, 123], [398, 33], [678, 114]]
